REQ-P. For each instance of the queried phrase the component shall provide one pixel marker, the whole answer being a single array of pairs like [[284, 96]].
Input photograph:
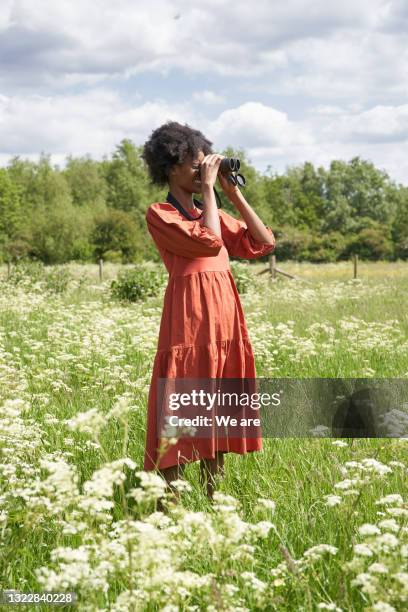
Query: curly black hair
[[171, 144]]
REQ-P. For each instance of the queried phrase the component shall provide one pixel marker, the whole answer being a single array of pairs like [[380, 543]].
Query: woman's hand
[[209, 172], [228, 188], [209, 169]]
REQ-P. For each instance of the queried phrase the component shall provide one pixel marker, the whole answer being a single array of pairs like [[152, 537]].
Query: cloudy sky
[[293, 81]]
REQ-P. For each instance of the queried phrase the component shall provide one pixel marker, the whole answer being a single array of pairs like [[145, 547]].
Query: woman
[[203, 333]]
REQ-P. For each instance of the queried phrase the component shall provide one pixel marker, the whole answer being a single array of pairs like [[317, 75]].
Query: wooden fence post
[[100, 270], [272, 266], [355, 260], [273, 271]]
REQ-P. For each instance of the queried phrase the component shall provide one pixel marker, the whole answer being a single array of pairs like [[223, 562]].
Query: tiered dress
[[203, 333]]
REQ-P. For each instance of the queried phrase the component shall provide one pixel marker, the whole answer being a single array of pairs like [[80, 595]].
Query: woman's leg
[[209, 469], [171, 473]]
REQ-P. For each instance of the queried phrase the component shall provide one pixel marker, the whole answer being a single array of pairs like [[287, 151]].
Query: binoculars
[[229, 167]]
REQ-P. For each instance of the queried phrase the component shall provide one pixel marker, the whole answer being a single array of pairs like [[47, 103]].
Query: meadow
[[306, 524]]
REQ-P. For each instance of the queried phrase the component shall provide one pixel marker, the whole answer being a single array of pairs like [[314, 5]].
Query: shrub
[[138, 283], [371, 243], [291, 242], [29, 273], [26, 272], [242, 276], [57, 279], [16, 249], [116, 231], [324, 248], [401, 248], [113, 256], [82, 250]]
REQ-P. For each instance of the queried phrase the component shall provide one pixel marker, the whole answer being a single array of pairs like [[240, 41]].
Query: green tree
[[304, 191], [116, 232], [11, 213], [54, 230], [58, 234], [372, 242], [48, 185], [11, 209], [399, 230], [356, 190], [367, 190], [22, 174], [86, 181], [97, 208], [279, 209], [127, 180]]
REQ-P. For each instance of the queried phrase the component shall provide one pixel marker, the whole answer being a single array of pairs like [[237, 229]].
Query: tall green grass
[[67, 353]]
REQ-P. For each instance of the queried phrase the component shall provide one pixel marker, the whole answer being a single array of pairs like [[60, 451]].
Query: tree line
[[96, 209]]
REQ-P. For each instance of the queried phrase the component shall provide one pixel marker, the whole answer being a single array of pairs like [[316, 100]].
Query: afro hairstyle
[[171, 144]]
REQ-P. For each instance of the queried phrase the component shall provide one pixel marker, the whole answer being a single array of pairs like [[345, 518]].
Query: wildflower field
[[306, 524]]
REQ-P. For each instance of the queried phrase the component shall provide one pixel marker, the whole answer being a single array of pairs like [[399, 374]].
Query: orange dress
[[203, 333]]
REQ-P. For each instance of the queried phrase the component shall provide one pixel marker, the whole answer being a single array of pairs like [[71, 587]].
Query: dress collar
[[172, 200]]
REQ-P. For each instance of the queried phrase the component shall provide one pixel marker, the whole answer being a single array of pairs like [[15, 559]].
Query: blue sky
[[289, 81]]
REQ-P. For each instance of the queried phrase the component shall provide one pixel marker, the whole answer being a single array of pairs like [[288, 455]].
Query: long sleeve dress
[[203, 333]]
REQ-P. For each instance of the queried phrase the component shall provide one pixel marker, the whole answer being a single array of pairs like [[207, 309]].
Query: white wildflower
[[152, 486], [367, 582], [267, 503], [389, 524], [378, 568], [346, 484], [386, 541], [121, 408], [181, 485], [382, 606], [397, 512], [368, 529], [253, 581], [315, 552], [376, 466], [363, 549], [402, 577], [393, 498], [333, 500], [262, 528], [90, 422]]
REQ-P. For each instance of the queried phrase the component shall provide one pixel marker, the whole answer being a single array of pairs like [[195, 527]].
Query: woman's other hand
[[228, 188]]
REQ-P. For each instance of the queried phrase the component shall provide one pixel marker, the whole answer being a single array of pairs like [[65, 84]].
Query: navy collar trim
[[172, 200]]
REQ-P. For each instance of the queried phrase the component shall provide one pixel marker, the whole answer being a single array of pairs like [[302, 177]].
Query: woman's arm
[[210, 210], [209, 169], [255, 226]]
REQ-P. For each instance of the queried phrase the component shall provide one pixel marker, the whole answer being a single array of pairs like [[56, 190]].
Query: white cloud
[[257, 125], [93, 122], [77, 76], [128, 38], [378, 124], [326, 109], [208, 97], [385, 156], [96, 121]]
